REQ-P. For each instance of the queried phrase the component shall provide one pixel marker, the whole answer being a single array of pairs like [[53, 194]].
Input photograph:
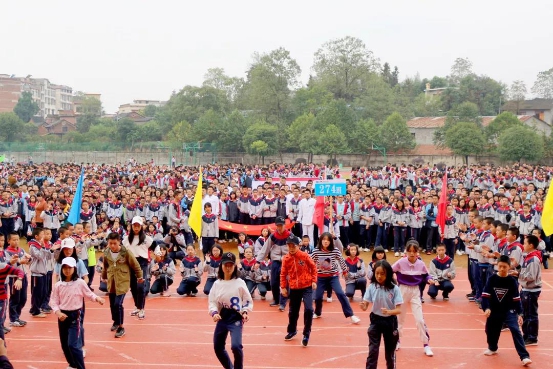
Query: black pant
[[116, 308], [207, 244], [493, 330], [208, 284], [296, 297], [189, 285], [70, 331], [18, 299], [354, 233], [450, 247], [471, 277], [382, 326], [530, 324], [344, 236], [276, 265], [8, 225], [38, 293], [139, 291], [48, 291], [359, 284], [91, 272], [445, 286], [432, 237], [244, 218]]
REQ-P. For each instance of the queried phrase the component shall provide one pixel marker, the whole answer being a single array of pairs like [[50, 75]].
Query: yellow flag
[[195, 218], [547, 214]]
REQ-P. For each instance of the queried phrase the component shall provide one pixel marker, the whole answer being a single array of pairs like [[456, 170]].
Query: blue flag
[[75, 209]]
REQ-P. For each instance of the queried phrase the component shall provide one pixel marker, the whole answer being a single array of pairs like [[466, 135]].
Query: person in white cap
[[67, 303], [138, 244]]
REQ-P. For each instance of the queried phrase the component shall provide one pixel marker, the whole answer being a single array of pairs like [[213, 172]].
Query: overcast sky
[[138, 49]]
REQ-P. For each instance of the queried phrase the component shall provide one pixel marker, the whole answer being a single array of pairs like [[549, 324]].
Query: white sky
[[138, 49]]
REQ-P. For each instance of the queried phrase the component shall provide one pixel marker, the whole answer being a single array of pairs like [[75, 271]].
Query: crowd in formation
[[133, 233]]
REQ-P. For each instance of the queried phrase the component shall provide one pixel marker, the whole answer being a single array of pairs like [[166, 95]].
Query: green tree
[[377, 101], [427, 106], [126, 131], [464, 139], [85, 121], [500, 124], [88, 104], [395, 134], [483, 91], [26, 107], [216, 78], [150, 111], [260, 148], [260, 131], [337, 113], [180, 133], [520, 143], [270, 81], [233, 127], [297, 131], [517, 93], [461, 68], [208, 128], [99, 132], [149, 131], [190, 104], [466, 112], [333, 141], [12, 127], [543, 87], [340, 65], [365, 134], [310, 99]]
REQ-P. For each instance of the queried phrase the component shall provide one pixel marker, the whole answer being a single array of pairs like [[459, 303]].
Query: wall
[[164, 157], [423, 136]]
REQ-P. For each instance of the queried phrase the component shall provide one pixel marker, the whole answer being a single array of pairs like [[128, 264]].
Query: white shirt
[[230, 294], [136, 249], [214, 201]]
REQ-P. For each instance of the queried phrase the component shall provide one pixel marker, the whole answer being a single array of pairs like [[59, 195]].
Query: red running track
[[177, 332]]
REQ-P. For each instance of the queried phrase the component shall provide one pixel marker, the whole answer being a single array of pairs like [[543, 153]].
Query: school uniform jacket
[[255, 207], [401, 216], [530, 272], [451, 229], [525, 223], [115, 210], [187, 268], [246, 269], [439, 268], [417, 217], [169, 272], [271, 204], [211, 267], [89, 217], [292, 208], [355, 272], [344, 211], [210, 225], [9, 206], [151, 210], [263, 273]]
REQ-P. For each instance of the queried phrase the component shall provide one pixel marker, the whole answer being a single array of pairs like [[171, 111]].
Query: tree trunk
[[467, 160]]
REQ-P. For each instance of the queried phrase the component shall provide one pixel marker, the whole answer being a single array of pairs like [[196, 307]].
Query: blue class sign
[[330, 188]]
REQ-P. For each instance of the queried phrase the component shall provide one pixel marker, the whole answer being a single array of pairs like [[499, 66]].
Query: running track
[[177, 332]]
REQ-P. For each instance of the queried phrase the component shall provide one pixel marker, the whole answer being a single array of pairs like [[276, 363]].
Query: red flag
[[319, 214], [442, 205]]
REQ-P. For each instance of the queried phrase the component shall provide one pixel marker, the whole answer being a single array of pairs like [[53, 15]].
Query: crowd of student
[[137, 215]]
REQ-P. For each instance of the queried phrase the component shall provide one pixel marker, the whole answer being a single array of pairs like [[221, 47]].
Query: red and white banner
[[289, 180], [250, 230]]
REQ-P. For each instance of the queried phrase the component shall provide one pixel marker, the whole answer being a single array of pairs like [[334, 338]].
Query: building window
[[413, 135], [64, 129]]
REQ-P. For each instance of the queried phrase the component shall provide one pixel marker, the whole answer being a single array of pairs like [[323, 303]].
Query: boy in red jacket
[[299, 274]]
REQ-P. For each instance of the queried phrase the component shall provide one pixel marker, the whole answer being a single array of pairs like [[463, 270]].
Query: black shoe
[[114, 327], [273, 304], [305, 341], [120, 332], [469, 295], [530, 343], [432, 297], [289, 336], [92, 289], [422, 300]]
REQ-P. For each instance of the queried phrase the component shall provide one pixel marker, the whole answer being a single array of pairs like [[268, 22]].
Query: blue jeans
[[445, 286], [531, 323], [493, 330], [323, 283], [188, 285], [296, 297], [222, 329], [70, 331], [208, 284]]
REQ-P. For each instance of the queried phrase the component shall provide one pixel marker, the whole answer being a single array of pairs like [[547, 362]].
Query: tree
[[126, 131], [365, 134], [517, 93], [341, 65], [85, 121], [427, 106], [464, 139], [501, 123], [11, 127], [395, 134], [260, 131], [26, 107], [333, 141], [337, 113], [520, 143], [389, 76], [190, 103], [234, 127], [88, 105], [149, 131], [150, 111], [297, 131], [461, 68], [466, 112], [310, 99], [260, 148], [208, 128], [377, 101], [216, 78], [180, 133], [543, 87]]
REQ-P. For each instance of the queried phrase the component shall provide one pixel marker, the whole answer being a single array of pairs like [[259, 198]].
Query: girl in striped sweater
[[328, 259]]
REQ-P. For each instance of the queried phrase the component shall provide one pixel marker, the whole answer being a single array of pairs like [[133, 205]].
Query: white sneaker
[[385, 250], [459, 252], [84, 352], [355, 320], [367, 249], [428, 351], [329, 299], [489, 352], [134, 312], [396, 254], [397, 346], [526, 361], [315, 316]]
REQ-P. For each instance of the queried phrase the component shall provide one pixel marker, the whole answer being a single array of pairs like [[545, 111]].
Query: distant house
[[422, 128], [59, 124], [136, 117], [539, 108]]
